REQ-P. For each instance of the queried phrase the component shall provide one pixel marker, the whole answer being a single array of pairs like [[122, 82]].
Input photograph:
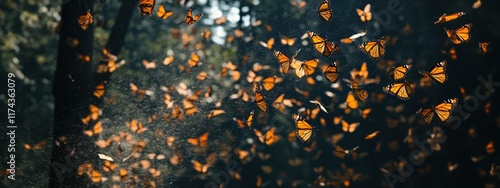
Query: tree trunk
[[73, 88]]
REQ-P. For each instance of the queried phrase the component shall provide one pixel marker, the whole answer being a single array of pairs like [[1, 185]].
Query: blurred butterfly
[[269, 44], [331, 72], [99, 90], [149, 64], [194, 60], [438, 73], [259, 100], [325, 48], [399, 72], [269, 138], [162, 13], [304, 68], [146, 7], [351, 102], [85, 20], [371, 135], [319, 105], [168, 60], [358, 91], [241, 123], [443, 110], [201, 141], [365, 14], [350, 39], [459, 35], [281, 103], [304, 129], [252, 77], [136, 126], [199, 167], [342, 153], [483, 47], [190, 19], [375, 49], [324, 10], [269, 82], [349, 128], [446, 18], [402, 90], [287, 41], [189, 107]]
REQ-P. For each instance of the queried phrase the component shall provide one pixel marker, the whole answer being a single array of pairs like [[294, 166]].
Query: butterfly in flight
[[304, 129], [438, 73], [459, 35], [375, 49], [399, 72], [146, 7], [324, 10], [443, 110], [448, 17], [85, 20], [325, 48], [402, 90], [190, 19]]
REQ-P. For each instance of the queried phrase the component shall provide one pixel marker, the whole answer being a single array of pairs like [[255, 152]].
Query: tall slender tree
[[74, 83]]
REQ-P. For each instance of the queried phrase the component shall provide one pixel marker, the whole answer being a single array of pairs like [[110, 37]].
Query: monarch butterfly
[[446, 18], [324, 10], [99, 90], [483, 47], [402, 90], [287, 41], [136, 126], [443, 110], [201, 141], [349, 128], [269, 83], [351, 102], [241, 123], [189, 107], [358, 92], [190, 19], [149, 64], [146, 7], [252, 77], [365, 14], [269, 44], [168, 60], [460, 35], [283, 60], [269, 138], [162, 13], [399, 72], [342, 153], [304, 129], [260, 101], [304, 68], [281, 103], [199, 167], [194, 60], [325, 48], [85, 20], [331, 73], [375, 49], [438, 73]]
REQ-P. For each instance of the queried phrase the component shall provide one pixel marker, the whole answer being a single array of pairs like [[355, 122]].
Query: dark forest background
[[55, 89]]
